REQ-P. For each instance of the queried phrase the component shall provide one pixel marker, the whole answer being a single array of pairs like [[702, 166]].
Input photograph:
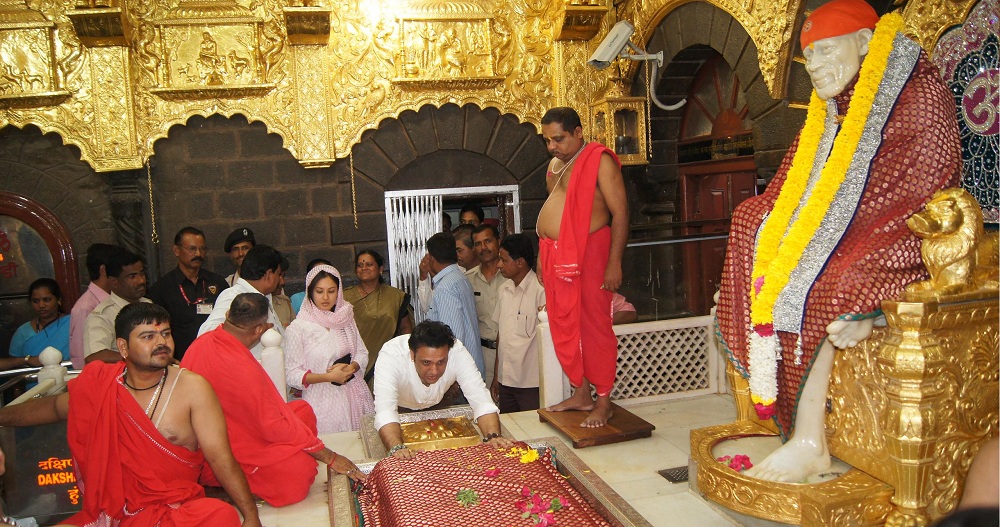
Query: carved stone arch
[[690, 35], [40, 168], [452, 146]]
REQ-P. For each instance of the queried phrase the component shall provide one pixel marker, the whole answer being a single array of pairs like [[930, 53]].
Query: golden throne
[[907, 408]]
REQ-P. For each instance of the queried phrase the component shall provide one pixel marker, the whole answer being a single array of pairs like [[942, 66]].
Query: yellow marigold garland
[[781, 246]]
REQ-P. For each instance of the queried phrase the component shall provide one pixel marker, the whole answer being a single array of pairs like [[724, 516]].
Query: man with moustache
[[140, 431], [238, 244], [486, 280], [188, 292], [582, 229], [127, 276], [464, 246], [261, 272]]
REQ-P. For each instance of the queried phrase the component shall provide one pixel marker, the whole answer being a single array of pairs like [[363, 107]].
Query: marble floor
[[629, 468]]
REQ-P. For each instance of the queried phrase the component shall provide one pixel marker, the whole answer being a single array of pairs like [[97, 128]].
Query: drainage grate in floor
[[675, 475]]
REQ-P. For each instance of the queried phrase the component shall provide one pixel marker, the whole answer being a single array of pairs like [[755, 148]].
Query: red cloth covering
[[579, 318], [271, 439], [423, 490], [572, 268], [837, 18], [130, 475], [877, 256]]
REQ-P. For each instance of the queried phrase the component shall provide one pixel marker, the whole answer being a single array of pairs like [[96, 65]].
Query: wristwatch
[[396, 448], [487, 437]]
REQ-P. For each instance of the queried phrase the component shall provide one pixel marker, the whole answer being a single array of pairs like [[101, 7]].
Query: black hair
[[187, 230], [441, 247], [375, 256], [46, 283], [99, 254], [119, 259], [463, 233], [319, 276], [432, 334], [136, 314], [473, 208], [248, 310], [520, 246], [565, 116], [446, 220], [486, 227], [320, 261], [258, 261]]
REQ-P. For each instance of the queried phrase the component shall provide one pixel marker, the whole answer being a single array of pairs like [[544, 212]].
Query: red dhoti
[[579, 317], [130, 475]]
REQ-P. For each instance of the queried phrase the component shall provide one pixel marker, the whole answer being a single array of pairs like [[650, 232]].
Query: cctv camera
[[612, 45]]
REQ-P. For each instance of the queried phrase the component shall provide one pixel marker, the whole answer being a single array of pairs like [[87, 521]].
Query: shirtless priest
[[140, 431], [414, 371], [582, 230], [880, 138]]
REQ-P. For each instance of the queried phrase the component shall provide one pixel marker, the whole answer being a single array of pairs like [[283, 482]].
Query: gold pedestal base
[[854, 499]]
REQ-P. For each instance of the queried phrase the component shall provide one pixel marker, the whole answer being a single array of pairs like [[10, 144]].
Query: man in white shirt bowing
[[414, 372]]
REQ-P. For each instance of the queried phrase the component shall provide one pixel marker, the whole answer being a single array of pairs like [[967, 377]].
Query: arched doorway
[[34, 243], [716, 172]]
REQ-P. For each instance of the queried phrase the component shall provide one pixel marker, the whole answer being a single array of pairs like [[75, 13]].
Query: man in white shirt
[[127, 274], [414, 372], [515, 385], [260, 272]]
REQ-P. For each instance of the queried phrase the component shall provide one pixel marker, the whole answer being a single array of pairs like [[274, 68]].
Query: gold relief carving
[[581, 19], [927, 20], [449, 52], [307, 25], [314, 135], [99, 26], [117, 134]]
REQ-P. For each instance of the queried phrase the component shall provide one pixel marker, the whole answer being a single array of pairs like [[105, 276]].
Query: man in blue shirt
[[453, 302]]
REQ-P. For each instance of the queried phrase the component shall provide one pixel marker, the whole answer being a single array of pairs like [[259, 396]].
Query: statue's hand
[[848, 333]]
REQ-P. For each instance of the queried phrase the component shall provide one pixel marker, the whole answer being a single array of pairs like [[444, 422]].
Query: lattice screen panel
[[662, 362]]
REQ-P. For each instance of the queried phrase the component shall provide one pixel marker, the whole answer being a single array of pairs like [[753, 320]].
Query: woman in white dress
[[324, 354]]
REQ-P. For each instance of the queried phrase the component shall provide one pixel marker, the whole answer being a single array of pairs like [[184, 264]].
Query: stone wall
[[221, 173]]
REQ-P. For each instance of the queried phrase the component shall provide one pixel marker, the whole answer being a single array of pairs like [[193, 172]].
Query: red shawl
[[575, 224], [127, 470], [263, 430]]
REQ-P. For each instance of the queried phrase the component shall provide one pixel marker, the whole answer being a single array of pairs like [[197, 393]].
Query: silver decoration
[[789, 309]]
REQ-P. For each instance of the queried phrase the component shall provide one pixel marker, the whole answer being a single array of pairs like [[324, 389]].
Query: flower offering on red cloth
[[423, 490]]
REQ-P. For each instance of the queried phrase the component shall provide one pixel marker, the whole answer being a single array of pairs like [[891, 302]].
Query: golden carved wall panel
[[146, 65], [927, 20]]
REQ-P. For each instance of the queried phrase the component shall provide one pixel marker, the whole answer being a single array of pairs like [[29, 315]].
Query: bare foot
[[792, 462], [600, 415], [580, 400]]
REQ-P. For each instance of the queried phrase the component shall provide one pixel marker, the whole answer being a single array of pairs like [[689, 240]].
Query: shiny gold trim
[[211, 92], [854, 499], [580, 21], [34, 99], [307, 25], [467, 83]]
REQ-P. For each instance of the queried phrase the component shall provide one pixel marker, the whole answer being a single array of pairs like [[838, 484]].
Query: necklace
[[156, 395], [562, 170], [784, 237], [39, 326], [125, 380]]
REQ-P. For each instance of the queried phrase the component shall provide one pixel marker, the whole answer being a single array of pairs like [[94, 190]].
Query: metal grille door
[[411, 219]]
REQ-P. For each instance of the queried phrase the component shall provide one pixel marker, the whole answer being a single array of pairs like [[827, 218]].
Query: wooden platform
[[623, 426]]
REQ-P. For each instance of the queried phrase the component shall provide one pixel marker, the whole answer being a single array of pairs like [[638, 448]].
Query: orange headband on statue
[[836, 18]]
